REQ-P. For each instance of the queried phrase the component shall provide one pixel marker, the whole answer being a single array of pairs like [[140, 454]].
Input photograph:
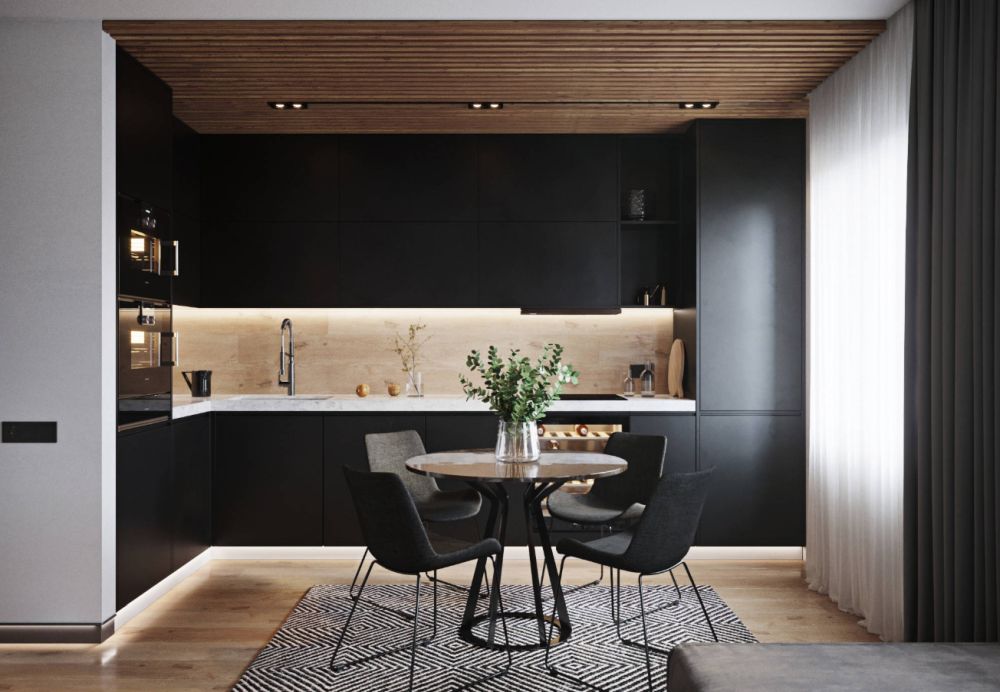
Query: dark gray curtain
[[952, 510]]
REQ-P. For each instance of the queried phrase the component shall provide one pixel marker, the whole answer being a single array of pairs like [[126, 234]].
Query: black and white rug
[[298, 655]]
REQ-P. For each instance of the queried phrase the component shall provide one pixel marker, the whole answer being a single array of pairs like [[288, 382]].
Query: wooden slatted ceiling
[[417, 76]]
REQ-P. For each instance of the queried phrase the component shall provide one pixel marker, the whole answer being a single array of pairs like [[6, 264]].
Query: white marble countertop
[[348, 403]]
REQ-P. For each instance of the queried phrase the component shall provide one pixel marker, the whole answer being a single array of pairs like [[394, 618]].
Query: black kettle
[[200, 382]]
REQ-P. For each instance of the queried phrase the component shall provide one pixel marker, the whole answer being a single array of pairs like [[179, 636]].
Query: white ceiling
[[449, 9]]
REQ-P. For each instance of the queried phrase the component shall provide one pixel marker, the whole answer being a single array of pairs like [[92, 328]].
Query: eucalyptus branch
[[516, 389], [408, 347]]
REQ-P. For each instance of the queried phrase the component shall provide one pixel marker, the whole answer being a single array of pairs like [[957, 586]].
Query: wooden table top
[[483, 466]]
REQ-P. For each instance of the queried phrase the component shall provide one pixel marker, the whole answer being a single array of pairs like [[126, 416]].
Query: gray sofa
[[821, 667]]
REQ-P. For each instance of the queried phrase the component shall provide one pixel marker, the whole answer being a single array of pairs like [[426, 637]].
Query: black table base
[[496, 527]]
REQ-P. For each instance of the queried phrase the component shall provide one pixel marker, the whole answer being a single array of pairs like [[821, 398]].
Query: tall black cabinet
[[145, 145], [750, 329]]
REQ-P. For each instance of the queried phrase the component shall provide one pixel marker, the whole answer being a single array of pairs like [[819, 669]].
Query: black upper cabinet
[[268, 480], [422, 221], [757, 495], [269, 264], [407, 264], [553, 265], [751, 178], [145, 133], [192, 497], [408, 178], [548, 178], [145, 511], [278, 178], [344, 445], [187, 215]]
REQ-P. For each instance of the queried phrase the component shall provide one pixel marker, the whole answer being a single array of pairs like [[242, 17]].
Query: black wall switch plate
[[28, 431]]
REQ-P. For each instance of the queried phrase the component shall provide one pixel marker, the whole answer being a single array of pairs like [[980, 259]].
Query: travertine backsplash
[[337, 349]]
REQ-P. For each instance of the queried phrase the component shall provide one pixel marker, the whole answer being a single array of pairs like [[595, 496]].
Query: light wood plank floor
[[202, 634]]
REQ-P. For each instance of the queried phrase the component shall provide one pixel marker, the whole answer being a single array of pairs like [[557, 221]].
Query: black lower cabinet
[[192, 481], [144, 511], [268, 480], [447, 432], [344, 445], [682, 441], [757, 496]]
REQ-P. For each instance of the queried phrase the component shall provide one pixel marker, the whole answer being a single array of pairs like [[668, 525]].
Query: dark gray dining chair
[[657, 544], [616, 501], [389, 452], [395, 535]]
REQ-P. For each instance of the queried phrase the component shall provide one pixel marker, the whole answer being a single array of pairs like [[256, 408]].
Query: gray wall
[[57, 284]]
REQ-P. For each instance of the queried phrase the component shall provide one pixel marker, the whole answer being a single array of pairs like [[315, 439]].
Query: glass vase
[[414, 384], [517, 443]]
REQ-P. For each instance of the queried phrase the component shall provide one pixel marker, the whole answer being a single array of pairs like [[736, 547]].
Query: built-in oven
[[147, 258], [147, 351]]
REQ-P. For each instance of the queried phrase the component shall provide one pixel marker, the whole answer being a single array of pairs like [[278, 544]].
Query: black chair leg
[[645, 636], [413, 646], [384, 652], [677, 589], [343, 632], [619, 620], [357, 572], [701, 602], [401, 613], [657, 609]]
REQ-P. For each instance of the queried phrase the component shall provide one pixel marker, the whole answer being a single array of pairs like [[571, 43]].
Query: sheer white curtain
[[858, 122]]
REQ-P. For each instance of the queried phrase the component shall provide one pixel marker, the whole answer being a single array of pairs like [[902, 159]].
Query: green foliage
[[518, 390]]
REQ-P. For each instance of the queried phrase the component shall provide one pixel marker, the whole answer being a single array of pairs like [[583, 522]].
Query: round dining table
[[482, 471]]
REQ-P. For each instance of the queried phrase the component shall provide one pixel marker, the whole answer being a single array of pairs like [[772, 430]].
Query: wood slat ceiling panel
[[417, 76]]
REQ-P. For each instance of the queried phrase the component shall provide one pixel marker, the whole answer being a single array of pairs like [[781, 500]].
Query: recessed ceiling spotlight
[[686, 105], [277, 105], [496, 106], [689, 105], [708, 104], [297, 106], [476, 106], [286, 105]]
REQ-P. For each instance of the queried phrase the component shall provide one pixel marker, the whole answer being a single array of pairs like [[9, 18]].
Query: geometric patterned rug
[[298, 655]]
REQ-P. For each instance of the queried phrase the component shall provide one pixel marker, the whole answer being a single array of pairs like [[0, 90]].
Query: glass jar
[[647, 381], [414, 384], [628, 386], [517, 442]]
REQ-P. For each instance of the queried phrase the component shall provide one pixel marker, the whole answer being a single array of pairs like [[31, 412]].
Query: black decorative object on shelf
[[636, 205]]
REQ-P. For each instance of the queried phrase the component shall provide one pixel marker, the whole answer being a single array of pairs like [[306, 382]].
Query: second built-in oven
[[147, 351]]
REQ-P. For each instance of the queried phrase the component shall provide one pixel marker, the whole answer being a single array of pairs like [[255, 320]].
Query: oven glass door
[[146, 258], [147, 350]]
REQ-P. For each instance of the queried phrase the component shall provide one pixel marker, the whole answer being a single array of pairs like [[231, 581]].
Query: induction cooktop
[[592, 397]]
